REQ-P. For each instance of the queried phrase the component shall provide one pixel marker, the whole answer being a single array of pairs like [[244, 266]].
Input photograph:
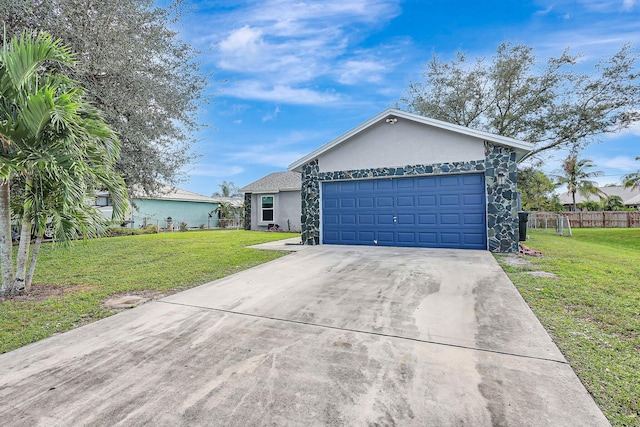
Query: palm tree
[[56, 150], [577, 178], [632, 180], [227, 189], [613, 203]]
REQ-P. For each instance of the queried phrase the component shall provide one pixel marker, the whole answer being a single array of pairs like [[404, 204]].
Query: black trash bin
[[523, 218]]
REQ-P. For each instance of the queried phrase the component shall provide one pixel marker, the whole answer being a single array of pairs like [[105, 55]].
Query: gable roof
[[274, 183], [167, 192], [629, 196], [521, 147]]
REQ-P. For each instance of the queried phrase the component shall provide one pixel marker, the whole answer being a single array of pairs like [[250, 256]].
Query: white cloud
[[244, 40], [358, 71], [628, 4], [272, 115], [623, 163], [280, 152], [214, 170], [282, 94], [237, 121], [288, 45]]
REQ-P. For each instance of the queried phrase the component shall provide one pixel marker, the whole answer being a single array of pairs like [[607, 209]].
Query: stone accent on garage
[[247, 211], [310, 193], [502, 199], [502, 218]]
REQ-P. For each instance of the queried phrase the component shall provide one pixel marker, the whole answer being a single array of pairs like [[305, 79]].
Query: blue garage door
[[446, 211]]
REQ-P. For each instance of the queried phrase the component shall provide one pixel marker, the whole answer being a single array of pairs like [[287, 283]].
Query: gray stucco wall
[[497, 163], [384, 145], [286, 211]]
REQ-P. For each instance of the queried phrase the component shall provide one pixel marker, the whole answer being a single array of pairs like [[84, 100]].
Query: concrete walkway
[[329, 335]]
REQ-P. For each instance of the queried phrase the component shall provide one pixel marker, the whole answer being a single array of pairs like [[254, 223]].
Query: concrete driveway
[[329, 335]]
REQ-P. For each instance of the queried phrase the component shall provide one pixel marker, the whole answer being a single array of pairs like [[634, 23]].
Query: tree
[[632, 180], [56, 151], [613, 203], [227, 189], [576, 176], [536, 189], [135, 69], [590, 205], [224, 212], [555, 107]]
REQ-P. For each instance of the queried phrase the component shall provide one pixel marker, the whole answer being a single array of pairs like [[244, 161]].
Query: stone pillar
[[247, 211], [310, 193], [502, 198]]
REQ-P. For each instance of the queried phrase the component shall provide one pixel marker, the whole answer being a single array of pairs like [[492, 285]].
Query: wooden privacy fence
[[610, 219]]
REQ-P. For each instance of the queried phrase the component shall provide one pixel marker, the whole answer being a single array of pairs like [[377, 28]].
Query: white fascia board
[[498, 139]]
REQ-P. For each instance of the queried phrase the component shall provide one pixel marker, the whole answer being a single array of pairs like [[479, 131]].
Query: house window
[[102, 201], [267, 208]]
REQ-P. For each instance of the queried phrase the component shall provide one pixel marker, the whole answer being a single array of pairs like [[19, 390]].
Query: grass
[[592, 310], [90, 272]]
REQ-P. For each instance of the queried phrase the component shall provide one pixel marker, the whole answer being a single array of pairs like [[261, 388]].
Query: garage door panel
[[405, 183], [404, 219], [348, 236], [450, 181], [366, 236], [383, 184], [473, 180], [384, 202], [405, 201], [473, 219], [385, 219], [474, 238], [385, 237], [366, 219], [430, 239], [449, 219], [348, 202], [427, 219], [437, 211], [346, 186], [331, 219], [426, 201], [404, 238], [449, 200], [347, 219], [331, 236], [365, 202], [366, 185], [450, 238], [330, 203], [473, 199]]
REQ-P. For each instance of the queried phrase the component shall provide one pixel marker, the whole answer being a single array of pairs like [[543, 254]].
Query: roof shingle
[[275, 182]]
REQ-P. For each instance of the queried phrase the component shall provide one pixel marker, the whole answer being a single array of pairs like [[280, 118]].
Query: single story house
[[168, 208], [630, 197], [400, 179], [273, 202]]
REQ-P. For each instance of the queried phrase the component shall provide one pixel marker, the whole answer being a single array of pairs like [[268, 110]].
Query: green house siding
[[194, 214]]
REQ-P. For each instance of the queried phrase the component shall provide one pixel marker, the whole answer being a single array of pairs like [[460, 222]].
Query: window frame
[[272, 209]]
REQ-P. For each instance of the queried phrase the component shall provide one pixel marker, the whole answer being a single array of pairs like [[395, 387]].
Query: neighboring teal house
[[174, 206], [169, 208]]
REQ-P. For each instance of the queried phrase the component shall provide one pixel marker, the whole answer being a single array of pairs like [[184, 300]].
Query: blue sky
[[291, 75]]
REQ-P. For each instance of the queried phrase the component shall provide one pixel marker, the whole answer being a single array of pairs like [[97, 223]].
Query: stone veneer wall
[[310, 220], [502, 200], [502, 215], [247, 211]]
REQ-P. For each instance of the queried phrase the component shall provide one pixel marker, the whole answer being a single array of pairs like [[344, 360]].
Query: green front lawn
[[592, 310], [88, 273]]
